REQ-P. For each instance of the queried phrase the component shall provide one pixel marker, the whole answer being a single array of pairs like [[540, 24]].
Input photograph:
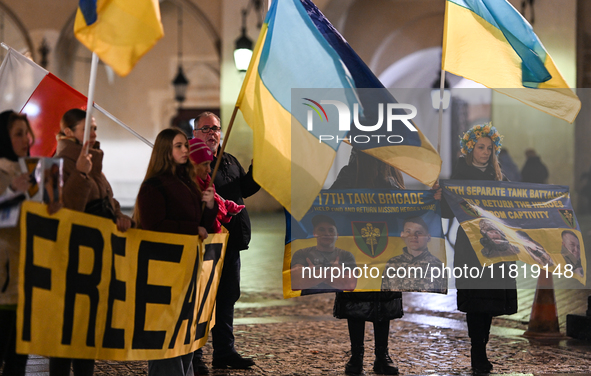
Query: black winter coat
[[477, 295], [232, 183], [368, 306]]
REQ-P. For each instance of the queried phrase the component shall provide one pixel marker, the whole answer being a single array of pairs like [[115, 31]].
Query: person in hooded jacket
[[487, 297]]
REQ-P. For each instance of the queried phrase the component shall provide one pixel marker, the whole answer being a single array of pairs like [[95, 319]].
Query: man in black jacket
[[534, 171], [231, 183]]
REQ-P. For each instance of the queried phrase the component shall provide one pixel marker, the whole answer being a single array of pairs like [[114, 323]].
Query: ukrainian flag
[[489, 42], [299, 48], [120, 32]]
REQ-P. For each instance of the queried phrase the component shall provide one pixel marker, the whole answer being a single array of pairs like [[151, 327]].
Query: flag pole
[[95, 105], [441, 93], [90, 100], [238, 101], [219, 156], [122, 124], [226, 137]]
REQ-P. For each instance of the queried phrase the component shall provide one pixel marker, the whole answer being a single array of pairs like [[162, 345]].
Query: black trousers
[[228, 294], [381, 331], [61, 366], [14, 364], [478, 326]]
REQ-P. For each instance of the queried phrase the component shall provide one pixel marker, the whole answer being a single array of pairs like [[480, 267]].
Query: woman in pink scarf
[[202, 156]]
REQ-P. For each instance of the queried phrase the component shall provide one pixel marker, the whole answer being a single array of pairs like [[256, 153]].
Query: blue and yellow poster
[[366, 240], [533, 223]]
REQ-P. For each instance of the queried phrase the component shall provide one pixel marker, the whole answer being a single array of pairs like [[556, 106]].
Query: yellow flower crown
[[469, 139]]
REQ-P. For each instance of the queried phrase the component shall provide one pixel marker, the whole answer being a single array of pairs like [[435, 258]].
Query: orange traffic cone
[[543, 322]]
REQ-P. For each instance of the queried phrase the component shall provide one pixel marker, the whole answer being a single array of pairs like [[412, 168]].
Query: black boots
[[478, 358], [478, 331], [383, 364], [355, 365]]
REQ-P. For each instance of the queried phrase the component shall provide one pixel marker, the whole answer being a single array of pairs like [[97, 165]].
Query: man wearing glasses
[[232, 183]]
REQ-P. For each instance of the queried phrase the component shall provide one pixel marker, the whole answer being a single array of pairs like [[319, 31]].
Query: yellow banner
[[545, 250], [366, 240], [89, 291], [509, 221]]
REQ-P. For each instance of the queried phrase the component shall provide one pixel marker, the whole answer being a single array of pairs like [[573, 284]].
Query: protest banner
[[89, 291], [507, 221], [366, 240]]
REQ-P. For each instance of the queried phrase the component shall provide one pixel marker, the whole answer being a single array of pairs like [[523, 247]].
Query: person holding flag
[[202, 156], [85, 189], [232, 183]]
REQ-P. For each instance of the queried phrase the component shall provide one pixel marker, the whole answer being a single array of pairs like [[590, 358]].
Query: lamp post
[[180, 82], [436, 93], [243, 50]]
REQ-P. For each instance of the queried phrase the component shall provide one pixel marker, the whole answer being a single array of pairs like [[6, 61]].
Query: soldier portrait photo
[[411, 271]]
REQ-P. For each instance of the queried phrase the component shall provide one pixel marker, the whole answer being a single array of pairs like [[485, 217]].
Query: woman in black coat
[[484, 298], [364, 171]]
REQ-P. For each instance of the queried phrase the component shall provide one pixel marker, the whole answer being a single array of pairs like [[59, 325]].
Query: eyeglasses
[[209, 129]]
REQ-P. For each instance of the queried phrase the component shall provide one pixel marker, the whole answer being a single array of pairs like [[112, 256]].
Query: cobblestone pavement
[[300, 337], [320, 345]]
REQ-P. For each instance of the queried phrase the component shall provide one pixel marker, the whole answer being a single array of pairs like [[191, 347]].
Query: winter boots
[[478, 358], [383, 364], [478, 331], [354, 366]]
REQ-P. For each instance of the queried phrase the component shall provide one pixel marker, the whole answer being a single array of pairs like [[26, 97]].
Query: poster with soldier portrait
[[366, 240], [45, 185], [507, 221]]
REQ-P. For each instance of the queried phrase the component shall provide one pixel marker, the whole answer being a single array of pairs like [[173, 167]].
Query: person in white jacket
[[16, 137]]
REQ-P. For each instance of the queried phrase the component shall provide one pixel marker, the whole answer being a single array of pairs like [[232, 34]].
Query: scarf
[[226, 208], [481, 167]]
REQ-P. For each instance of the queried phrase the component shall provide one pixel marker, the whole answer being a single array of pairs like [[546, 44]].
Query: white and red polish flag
[[27, 88]]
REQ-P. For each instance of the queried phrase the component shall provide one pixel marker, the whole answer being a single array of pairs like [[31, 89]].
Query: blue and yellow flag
[[299, 48], [120, 32], [489, 42]]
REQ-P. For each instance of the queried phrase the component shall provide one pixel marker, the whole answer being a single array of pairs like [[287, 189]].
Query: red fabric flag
[[27, 88]]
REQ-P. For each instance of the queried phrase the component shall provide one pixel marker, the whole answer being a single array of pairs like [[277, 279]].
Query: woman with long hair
[[87, 190], [486, 297], [16, 138], [169, 200], [364, 171]]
